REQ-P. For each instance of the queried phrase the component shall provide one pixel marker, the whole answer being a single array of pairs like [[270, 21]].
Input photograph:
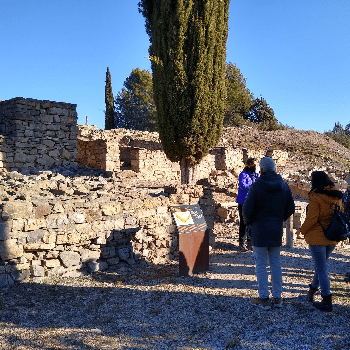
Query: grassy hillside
[[306, 148]]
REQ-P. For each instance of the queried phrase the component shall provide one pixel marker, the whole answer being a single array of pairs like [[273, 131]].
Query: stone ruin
[[37, 134], [75, 199], [141, 152]]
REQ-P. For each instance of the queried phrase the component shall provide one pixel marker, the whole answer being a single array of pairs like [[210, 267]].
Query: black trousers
[[242, 227]]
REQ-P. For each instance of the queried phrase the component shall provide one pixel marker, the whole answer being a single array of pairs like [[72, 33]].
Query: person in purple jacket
[[246, 178]]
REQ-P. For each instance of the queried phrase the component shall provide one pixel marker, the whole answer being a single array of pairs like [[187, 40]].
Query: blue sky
[[295, 54]]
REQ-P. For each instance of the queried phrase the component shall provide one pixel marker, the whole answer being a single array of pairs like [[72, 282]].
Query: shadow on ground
[[154, 308]]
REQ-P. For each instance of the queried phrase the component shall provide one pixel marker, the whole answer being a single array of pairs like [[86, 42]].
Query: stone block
[[146, 213], [49, 237], [58, 111], [113, 261], [20, 157], [123, 253], [101, 240], [9, 249], [36, 263], [50, 263], [42, 210], [16, 210], [93, 215], [222, 212], [108, 252], [77, 218], [46, 119], [97, 266], [39, 246], [56, 271], [119, 224], [35, 236], [5, 228], [69, 258], [19, 276], [56, 221], [38, 279], [30, 225], [162, 210], [46, 161], [62, 239], [179, 198], [89, 255], [103, 226], [130, 221], [85, 228], [37, 271], [110, 209]]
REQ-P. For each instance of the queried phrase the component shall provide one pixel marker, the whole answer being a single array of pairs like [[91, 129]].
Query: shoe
[[249, 246], [310, 294], [277, 302], [263, 303], [325, 304], [242, 248]]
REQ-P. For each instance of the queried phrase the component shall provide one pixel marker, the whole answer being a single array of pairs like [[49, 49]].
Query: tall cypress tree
[[109, 117], [188, 51]]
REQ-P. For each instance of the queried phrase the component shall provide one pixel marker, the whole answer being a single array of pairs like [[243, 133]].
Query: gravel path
[[153, 308]]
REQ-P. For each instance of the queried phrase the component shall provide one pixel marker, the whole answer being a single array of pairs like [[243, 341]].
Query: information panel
[[193, 239], [188, 218]]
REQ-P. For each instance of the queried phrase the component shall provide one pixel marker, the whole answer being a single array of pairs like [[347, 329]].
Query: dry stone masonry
[[75, 220], [118, 149], [37, 134], [75, 199]]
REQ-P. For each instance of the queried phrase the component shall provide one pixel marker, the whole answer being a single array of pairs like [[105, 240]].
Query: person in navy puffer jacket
[[246, 178], [269, 203]]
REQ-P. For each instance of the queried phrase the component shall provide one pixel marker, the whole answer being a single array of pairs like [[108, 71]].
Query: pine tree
[[263, 115], [238, 99], [187, 52], [134, 104], [109, 114], [340, 134]]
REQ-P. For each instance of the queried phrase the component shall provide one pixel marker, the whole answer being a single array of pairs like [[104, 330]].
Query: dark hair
[[319, 180], [250, 162]]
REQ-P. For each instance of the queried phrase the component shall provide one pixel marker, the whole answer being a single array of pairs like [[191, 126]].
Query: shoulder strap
[[336, 208]]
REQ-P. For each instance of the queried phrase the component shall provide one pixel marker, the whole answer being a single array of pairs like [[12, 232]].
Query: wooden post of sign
[[289, 232], [193, 252]]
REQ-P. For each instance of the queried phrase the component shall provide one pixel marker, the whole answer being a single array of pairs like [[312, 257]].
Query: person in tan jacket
[[322, 197]]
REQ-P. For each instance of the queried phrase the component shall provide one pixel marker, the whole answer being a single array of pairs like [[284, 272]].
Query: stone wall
[[37, 134], [71, 225], [153, 164], [112, 150], [100, 154]]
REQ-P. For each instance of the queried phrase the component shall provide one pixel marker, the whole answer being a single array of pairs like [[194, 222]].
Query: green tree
[[263, 115], [187, 52], [340, 134], [109, 114], [135, 108], [238, 99]]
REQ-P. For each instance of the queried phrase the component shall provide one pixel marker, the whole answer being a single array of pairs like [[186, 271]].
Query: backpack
[[339, 227]]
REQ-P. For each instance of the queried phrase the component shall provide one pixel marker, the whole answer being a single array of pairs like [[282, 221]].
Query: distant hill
[[306, 149]]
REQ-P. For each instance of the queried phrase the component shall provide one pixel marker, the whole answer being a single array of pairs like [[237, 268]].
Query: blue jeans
[[320, 255], [263, 256]]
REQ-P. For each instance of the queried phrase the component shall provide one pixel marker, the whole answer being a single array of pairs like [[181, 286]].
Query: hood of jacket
[[330, 195], [271, 181]]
